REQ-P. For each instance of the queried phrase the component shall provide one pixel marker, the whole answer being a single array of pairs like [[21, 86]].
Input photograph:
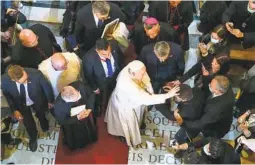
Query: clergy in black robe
[[179, 14], [78, 130], [36, 44], [150, 32]]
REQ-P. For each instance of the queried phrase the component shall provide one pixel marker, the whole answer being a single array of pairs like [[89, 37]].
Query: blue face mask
[[214, 40]]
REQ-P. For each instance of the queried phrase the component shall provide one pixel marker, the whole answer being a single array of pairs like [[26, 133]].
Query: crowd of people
[[92, 78]]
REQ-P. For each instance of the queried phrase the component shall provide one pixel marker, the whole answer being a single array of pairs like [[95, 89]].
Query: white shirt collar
[[96, 19]]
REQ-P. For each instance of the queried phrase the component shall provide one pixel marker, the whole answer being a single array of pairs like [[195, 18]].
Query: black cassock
[[77, 133]]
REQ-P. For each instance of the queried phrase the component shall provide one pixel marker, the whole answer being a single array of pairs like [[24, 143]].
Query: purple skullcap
[[151, 21]]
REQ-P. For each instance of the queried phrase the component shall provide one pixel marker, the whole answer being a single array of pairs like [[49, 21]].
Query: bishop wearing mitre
[[128, 102]]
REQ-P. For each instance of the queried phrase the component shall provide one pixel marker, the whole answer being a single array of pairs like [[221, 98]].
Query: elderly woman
[[78, 124]]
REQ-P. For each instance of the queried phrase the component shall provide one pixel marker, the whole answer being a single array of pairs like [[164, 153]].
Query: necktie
[[22, 94], [100, 23], [109, 67]]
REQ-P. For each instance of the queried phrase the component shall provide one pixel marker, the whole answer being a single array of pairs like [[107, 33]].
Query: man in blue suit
[[26, 88], [164, 61], [101, 66]]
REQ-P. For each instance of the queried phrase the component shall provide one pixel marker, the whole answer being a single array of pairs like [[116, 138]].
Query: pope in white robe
[[128, 101]]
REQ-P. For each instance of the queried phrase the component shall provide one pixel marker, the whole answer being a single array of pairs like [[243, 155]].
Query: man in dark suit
[[179, 14], [26, 88], [36, 44], [150, 32], [217, 113], [164, 61], [239, 19], [91, 20], [101, 65]]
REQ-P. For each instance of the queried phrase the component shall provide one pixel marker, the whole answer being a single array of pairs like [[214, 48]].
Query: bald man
[[35, 44], [61, 69]]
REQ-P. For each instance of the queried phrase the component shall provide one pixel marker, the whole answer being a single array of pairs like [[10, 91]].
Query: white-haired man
[[128, 102]]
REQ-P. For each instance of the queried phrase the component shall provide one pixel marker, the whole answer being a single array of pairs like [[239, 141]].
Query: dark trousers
[[164, 108], [184, 136], [29, 122], [105, 93]]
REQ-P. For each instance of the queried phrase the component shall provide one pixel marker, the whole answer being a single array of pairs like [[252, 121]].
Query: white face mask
[[210, 88], [206, 149], [214, 40], [250, 10]]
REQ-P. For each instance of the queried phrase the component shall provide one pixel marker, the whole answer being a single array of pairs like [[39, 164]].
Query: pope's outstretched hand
[[173, 92]]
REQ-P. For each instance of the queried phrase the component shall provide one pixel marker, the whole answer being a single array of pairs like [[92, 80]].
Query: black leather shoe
[[45, 129], [33, 145], [16, 141], [122, 139]]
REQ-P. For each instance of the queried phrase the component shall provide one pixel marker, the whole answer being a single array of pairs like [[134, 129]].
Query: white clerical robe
[[126, 107]]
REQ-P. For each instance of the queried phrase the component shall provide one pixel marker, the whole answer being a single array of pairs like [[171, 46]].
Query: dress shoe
[[33, 145], [122, 139], [15, 141], [45, 128]]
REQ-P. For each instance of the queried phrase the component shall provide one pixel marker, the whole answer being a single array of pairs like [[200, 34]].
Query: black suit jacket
[[192, 110], [238, 13], [93, 69], [166, 71], [160, 11], [140, 39], [39, 90], [31, 57], [62, 109], [86, 31], [217, 116]]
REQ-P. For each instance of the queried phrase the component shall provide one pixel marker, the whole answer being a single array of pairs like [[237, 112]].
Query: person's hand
[[11, 11], [178, 117], [7, 35], [173, 92], [229, 26], [203, 48], [82, 115], [18, 116], [97, 91], [50, 105], [237, 33], [243, 126], [87, 112], [204, 71], [241, 139], [242, 118], [183, 146]]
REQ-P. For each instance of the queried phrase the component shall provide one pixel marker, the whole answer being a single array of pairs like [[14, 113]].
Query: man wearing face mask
[[78, 129], [91, 20], [217, 113], [36, 44], [101, 66], [61, 69], [26, 89], [239, 19], [152, 31]]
